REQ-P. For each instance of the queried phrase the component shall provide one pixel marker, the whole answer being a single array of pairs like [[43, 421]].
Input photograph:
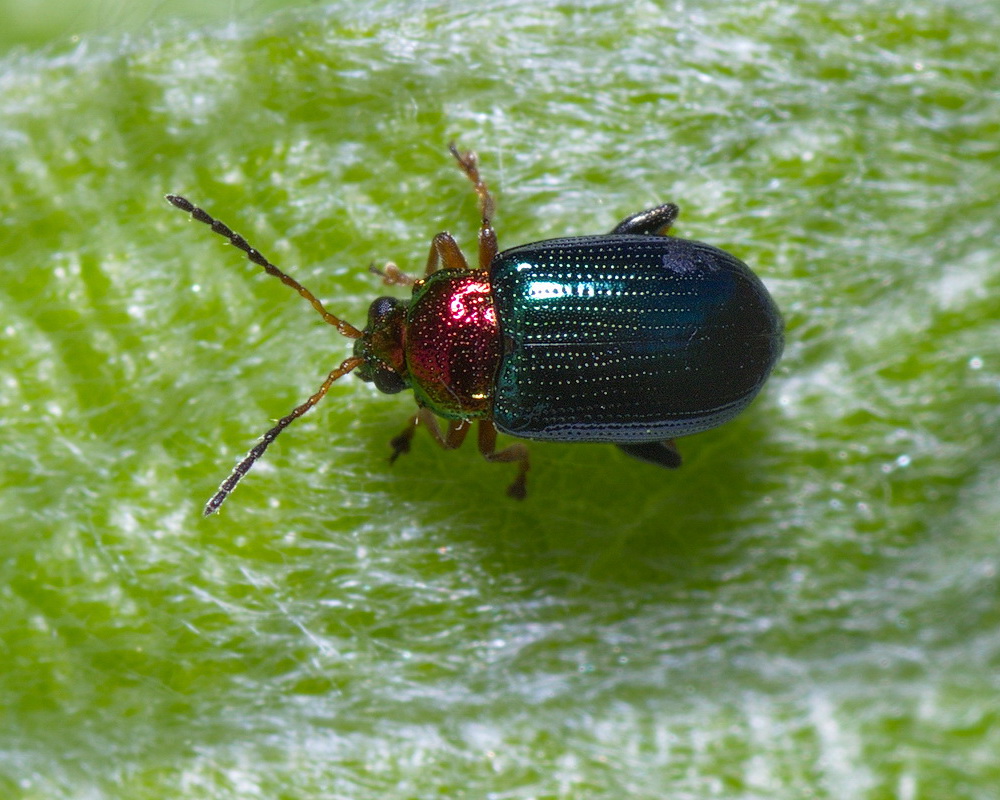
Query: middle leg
[[487, 207], [513, 452]]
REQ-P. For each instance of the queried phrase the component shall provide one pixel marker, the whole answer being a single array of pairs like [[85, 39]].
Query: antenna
[[344, 328], [258, 449]]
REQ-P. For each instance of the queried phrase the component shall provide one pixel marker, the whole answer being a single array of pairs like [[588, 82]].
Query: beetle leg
[[487, 206], [487, 245], [654, 222], [401, 444], [445, 254], [392, 275], [450, 440], [514, 452], [663, 454], [470, 166]]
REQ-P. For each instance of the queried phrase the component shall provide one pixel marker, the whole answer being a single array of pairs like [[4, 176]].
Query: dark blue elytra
[[628, 338]]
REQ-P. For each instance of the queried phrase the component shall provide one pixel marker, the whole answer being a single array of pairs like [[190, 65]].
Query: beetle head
[[381, 346]]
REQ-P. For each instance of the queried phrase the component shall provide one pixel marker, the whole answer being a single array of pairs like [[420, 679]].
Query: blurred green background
[[809, 608]]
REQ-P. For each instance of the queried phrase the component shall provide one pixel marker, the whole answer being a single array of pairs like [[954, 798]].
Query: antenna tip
[[213, 505], [180, 202]]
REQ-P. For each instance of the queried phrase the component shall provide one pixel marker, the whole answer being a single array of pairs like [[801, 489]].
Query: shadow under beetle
[[633, 337]]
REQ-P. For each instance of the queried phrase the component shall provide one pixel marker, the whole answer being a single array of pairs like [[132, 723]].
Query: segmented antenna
[[344, 328], [258, 449]]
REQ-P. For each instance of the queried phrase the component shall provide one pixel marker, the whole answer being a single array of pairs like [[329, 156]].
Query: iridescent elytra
[[632, 337]]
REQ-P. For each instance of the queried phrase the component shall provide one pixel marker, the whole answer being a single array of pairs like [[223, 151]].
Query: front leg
[[445, 254], [453, 437], [450, 440], [392, 275]]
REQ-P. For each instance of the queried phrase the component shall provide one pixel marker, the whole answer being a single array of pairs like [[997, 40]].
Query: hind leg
[[654, 222], [663, 454]]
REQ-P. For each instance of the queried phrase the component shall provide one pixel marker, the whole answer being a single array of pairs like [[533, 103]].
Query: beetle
[[633, 337]]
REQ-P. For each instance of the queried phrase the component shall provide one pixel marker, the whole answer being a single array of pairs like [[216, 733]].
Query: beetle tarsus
[[401, 444], [392, 275], [518, 489], [652, 222], [469, 163], [663, 454]]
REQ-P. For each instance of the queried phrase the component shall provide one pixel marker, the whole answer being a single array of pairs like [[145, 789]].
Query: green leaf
[[807, 608]]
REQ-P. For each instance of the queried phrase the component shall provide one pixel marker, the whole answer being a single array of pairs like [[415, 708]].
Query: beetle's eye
[[387, 381], [380, 309]]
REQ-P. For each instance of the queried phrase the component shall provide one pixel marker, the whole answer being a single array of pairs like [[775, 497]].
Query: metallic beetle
[[633, 337]]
